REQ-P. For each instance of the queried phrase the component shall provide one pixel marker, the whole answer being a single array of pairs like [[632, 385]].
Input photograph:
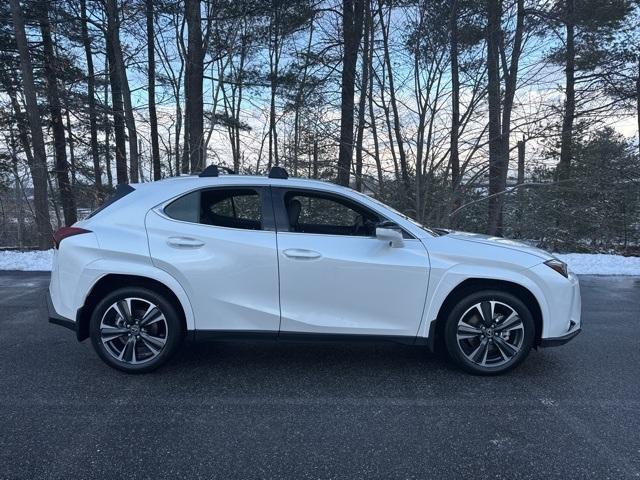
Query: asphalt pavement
[[295, 410]]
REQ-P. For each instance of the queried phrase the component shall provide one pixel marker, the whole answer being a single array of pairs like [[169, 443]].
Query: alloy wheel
[[490, 333], [133, 330]]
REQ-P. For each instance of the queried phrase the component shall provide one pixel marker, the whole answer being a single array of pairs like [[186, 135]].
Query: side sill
[[557, 341], [344, 337], [212, 335]]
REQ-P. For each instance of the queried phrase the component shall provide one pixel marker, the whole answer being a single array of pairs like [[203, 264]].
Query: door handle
[[301, 254], [184, 242]]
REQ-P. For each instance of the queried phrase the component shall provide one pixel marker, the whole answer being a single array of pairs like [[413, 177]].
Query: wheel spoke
[[122, 308], [152, 316], [123, 354], [151, 348], [504, 356], [466, 331], [480, 350], [486, 310], [134, 358], [111, 333], [512, 322], [157, 342], [510, 350]]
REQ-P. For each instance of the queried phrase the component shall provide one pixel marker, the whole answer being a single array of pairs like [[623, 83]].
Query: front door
[[336, 277], [220, 244]]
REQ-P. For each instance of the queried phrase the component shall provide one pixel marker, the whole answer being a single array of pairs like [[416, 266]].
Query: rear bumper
[[56, 318], [557, 341]]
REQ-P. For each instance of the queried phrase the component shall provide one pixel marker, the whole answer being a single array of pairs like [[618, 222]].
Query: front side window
[[222, 207], [329, 215]]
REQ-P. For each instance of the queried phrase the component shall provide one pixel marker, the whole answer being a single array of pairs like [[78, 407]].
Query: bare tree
[[115, 79], [91, 95], [570, 92], [67, 198], [352, 22], [39, 164], [151, 83], [194, 75]]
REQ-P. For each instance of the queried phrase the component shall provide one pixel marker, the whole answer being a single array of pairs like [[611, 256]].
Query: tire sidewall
[[451, 328], [174, 328]]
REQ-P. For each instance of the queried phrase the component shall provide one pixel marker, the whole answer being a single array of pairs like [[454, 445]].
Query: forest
[[516, 118]]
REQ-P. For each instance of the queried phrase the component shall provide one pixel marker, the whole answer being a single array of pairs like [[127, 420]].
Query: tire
[[135, 347], [490, 347]]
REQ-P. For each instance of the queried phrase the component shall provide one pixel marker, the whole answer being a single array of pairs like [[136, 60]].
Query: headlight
[[559, 266]]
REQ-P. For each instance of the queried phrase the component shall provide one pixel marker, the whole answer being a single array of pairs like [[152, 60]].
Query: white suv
[[231, 256]]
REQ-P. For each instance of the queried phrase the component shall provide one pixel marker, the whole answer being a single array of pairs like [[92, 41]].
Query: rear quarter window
[[122, 191]]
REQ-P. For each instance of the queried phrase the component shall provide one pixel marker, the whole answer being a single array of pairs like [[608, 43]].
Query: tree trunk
[[511, 82], [39, 164], [638, 101], [372, 117], [107, 126], [566, 145], [404, 172], [352, 15], [455, 105], [118, 112], [91, 94], [116, 62], [151, 75], [299, 101], [195, 72], [115, 79], [67, 198], [72, 155], [362, 100], [274, 72], [521, 154], [18, 193], [494, 14]]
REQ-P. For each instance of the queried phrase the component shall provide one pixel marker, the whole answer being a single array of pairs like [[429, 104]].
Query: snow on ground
[[32, 260], [580, 263], [600, 264]]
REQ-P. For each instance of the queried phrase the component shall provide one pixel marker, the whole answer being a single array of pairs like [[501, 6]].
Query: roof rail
[[278, 172], [214, 170]]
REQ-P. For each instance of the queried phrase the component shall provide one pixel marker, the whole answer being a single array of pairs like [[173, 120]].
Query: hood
[[500, 242]]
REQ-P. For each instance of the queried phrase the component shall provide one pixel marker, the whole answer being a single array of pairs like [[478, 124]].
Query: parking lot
[[294, 410]]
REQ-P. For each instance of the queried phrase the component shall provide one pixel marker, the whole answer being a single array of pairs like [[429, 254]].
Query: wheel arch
[[113, 281], [471, 285]]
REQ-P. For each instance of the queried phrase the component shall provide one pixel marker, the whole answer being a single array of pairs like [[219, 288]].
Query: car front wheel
[[489, 332], [135, 329]]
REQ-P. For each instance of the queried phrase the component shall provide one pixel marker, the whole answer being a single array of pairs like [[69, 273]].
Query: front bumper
[[557, 341], [56, 318]]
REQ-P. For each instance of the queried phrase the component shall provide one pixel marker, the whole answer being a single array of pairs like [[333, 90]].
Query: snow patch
[[600, 263], [36, 260]]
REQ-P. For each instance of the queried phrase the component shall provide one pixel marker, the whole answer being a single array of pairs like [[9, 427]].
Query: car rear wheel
[[135, 330], [489, 332]]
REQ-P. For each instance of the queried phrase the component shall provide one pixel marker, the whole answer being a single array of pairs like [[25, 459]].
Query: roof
[[194, 181]]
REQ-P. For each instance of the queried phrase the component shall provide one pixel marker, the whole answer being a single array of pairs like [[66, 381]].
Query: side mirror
[[390, 232]]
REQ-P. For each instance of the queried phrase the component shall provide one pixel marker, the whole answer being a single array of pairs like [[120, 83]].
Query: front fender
[[444, 280]]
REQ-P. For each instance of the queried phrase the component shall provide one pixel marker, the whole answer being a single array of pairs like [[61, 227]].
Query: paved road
[[260, 410]]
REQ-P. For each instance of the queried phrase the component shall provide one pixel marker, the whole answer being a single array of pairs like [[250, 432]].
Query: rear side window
[[122, 191], [222, 207]]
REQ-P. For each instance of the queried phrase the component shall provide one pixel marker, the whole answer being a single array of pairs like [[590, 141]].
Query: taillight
[[65, 232]]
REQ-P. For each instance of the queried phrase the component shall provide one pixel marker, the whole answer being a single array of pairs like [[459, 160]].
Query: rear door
[[336, 277], [220, 244]]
